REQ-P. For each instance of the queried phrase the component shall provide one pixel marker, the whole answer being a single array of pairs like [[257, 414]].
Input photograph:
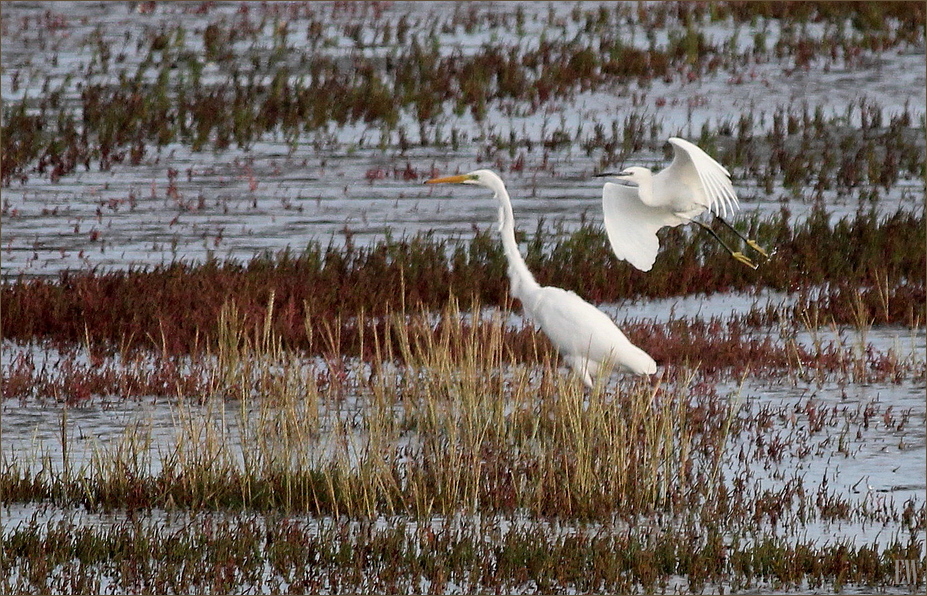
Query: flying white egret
[[645, 202], [586, 337]]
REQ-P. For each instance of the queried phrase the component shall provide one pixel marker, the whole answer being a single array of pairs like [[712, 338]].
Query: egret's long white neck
[[523, 283]]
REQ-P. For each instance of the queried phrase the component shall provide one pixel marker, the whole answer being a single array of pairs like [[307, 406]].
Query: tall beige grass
[[440, 420]]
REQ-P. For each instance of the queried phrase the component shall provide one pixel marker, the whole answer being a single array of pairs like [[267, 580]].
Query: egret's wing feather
[[708, 181], [632, 226], [586, 336]]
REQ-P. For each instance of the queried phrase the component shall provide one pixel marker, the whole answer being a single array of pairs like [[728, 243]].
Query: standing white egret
[[588, 339], [646, 202]]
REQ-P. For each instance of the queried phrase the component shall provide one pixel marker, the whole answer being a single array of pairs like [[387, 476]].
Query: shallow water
[[878, 469], [887, 456], [356, 181], [237, 203], [18, 516]]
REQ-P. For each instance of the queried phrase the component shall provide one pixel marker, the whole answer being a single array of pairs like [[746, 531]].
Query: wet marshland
[[246, 350]]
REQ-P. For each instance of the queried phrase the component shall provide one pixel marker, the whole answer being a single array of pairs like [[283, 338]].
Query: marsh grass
[[450, 426], [220, 554], [802, 341], [863, 262], [163, 97], [442, 420], [398, 440], [444, 459]]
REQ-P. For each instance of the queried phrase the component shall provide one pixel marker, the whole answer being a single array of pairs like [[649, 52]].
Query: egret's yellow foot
[[756, 247], [744, 259]]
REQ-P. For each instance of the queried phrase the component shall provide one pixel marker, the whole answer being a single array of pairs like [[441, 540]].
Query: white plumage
[[644, 202], [586, 337]]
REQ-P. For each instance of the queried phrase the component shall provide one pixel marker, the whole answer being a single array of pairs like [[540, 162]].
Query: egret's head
[[633, 176], [478, 177]]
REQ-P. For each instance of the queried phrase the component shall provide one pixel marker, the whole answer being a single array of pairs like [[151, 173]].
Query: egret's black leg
[[751, 243], [737, 255]]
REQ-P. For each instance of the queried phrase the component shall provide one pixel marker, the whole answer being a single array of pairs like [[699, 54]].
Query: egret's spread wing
[[632, 226], [693, 167]]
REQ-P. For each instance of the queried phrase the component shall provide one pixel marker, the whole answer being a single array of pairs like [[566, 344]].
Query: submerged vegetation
[[399, 557], [863, 267], [356, 464], [374, 416], [409, 91]]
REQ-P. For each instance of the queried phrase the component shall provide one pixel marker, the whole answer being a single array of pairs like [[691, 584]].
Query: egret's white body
[[586, 337], [692, 183]]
